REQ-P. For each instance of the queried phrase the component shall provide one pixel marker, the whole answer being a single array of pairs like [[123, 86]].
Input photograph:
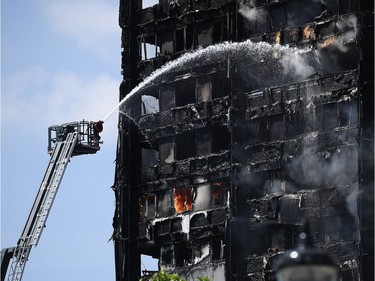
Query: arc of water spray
[[219, 49]]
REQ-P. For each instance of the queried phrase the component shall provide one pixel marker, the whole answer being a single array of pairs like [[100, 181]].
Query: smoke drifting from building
[[240, 121]]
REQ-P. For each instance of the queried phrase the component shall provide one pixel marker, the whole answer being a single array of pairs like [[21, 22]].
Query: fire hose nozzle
[[98, 127]]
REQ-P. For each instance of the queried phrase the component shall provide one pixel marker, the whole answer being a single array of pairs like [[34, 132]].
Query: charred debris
[[219, 168]]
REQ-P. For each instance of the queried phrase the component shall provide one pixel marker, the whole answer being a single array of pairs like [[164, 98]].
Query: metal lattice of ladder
[[42, 205]]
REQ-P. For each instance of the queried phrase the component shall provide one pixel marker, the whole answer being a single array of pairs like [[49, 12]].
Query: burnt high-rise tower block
[[225, 154]]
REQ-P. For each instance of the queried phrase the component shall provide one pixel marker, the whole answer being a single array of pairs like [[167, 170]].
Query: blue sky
[[60, 63]]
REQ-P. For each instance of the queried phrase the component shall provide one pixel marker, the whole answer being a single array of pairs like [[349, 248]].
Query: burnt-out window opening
[[300, 12], [348, 113], [148, 3], [180, 40], [347, 6], [167, 150], [185, 91], [167, 98], [147, 206], [204, 37], [219, 192], [276, 183], [258, 130], [220, 84], [203, 89], [217, 249], [276, 130], [254, 21], [166, 43], [219, 32], [277, 16], [201, 252], [185, 146], [330, 116], [165, 204], [189, 37], [202, 197], [150, 158], [203, 142], [183, 197], [150, 104], [220, 139], [183, 255], [149, 48], [167, 259]]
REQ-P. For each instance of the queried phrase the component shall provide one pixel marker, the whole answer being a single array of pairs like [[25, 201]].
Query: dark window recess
[[166, 43], [203, 89], [219, 84], [183, 197], [219, 32], [185, 91], [150, 158], [217, 249], [189, 37], [167, 98], [277, 128], [277, 18], [203, 142], [205, 36], [202, 197], [185, 146], [258, 130], [147, 206], [183, 256], [167, 150], [220, 139], [330, 116], [299, 12], [165, 204], [167, 259], [345, 6], [348, 114], [180, 40], [149, 105], [331, 7]]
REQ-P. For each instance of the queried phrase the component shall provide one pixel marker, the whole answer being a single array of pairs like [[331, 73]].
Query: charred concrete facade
[[223, 159]]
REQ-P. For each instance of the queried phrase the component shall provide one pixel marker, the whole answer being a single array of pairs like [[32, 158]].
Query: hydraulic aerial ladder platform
[[64, 141]]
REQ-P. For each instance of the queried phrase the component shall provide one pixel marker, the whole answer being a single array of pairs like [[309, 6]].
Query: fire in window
[[183, 199], [203, 89], [167, 150], [219, 194], [147, 205], [167, 98]]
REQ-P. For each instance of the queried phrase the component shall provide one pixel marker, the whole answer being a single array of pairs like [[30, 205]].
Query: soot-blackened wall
[[228, 150]]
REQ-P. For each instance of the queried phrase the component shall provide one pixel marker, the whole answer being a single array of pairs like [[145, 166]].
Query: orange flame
[[182, 199]]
